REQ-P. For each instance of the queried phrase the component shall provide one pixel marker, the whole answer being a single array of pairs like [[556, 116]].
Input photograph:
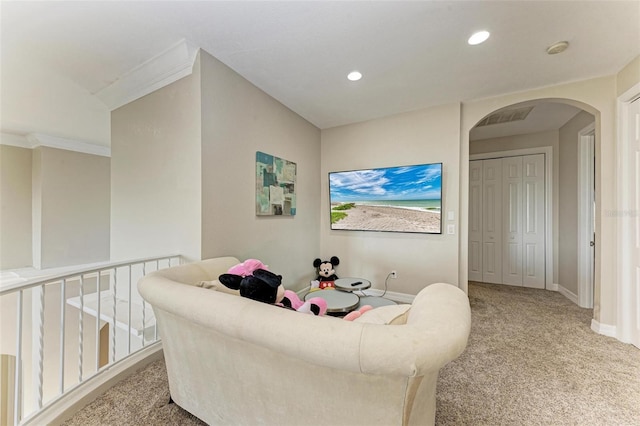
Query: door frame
[[627, 305], [548, 204], [586, 194]]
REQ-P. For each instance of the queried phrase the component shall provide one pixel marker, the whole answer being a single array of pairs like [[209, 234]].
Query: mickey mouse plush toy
[[326, 274]]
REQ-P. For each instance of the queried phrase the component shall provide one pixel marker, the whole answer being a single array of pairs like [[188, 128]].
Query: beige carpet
[[531, 360]]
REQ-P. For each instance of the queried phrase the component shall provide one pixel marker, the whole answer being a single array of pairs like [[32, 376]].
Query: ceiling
[[412, 54]]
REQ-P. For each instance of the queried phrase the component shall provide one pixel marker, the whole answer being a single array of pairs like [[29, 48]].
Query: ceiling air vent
[[505, 116]]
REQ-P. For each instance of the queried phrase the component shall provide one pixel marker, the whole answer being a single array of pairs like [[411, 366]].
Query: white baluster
[[63, 297], [98, 321], [144, 305], [81, 329], [37, 313], [113, 316], [17, 403], [129, 316]]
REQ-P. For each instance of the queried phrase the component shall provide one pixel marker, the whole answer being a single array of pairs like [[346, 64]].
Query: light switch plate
[[451, 229]]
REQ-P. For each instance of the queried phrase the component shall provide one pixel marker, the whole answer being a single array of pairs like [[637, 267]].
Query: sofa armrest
[[436, 333]]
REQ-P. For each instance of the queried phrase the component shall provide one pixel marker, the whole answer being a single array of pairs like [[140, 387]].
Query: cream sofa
[[235, 361]]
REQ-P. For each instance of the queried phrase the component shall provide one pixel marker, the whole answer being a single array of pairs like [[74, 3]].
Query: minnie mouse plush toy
[[265, 286]]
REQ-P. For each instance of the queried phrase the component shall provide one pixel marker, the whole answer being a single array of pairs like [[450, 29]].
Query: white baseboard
[[604, 329], [391, 295], [553, 287], [568, 294], [73, 401]]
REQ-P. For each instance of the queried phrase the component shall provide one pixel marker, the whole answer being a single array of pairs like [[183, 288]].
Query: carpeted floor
[[532, 359]]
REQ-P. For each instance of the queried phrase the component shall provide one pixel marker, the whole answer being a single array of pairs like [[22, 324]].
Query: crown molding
[[35, 140], [38, 139], [19, 141], [163, 69]]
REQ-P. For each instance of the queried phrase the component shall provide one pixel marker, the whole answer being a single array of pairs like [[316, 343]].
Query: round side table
[[351, 284], [337, 301]]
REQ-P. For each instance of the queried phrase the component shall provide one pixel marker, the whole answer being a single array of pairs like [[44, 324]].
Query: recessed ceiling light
[[479, 37], [354, 76], [558, 47]]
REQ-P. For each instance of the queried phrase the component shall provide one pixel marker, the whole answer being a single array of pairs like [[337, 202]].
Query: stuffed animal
[[247, 267], [358, 313], [326, 274], [265, 286]]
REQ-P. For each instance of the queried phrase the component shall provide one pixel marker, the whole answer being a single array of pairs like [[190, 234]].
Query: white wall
[[568, 248], [15, 207], [239, 119], [71, 208], [36, 99], [184, 174], [155, 173], [628, 77], [425, 136]]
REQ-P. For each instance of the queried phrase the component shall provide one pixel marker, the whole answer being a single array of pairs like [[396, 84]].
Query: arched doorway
[[554, 131]]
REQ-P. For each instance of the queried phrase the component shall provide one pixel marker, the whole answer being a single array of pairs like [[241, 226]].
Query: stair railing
[[98, 309]]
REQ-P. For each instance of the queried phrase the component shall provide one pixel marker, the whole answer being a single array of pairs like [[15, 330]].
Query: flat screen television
[[390, 199]]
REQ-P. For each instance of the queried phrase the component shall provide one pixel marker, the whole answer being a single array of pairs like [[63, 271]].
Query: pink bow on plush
[[247, 267]]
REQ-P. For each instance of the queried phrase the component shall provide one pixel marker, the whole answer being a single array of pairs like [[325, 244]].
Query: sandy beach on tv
[[388, 218]]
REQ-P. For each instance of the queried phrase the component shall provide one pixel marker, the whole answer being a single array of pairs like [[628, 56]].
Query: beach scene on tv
[[392, 199]]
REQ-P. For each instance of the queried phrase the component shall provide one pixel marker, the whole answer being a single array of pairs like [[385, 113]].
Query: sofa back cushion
[[217, 286], [194, 273]]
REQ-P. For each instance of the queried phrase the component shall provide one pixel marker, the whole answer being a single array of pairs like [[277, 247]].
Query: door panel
[[533, 236], [507, 220], [492, 221], [475, 221], [512, 221]]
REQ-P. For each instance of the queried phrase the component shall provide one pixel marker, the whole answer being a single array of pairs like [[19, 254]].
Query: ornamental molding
[[163, 69]]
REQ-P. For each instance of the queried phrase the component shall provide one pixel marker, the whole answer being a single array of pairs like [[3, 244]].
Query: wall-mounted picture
[[275, 186], [391, 199]]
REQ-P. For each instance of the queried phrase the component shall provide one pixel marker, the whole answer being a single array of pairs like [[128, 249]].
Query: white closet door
[[492, 221], [533, 265], [475, 220], [512, 221]]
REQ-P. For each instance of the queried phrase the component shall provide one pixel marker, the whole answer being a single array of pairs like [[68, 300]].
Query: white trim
[[391, 295], [554, 287], [626, 303], [604, 329], [40, 139], [568, 294], [19, 141], [548, 188], [163, 69], [586, 153], [35, 140], [71, 402]]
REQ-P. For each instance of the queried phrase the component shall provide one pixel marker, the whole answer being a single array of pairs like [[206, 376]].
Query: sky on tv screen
[[420, 182]]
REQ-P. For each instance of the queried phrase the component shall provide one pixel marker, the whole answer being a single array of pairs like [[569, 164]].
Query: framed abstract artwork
[[275, 186]]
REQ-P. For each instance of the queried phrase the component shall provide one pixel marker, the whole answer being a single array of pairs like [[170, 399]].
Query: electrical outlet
[[394, 274]]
